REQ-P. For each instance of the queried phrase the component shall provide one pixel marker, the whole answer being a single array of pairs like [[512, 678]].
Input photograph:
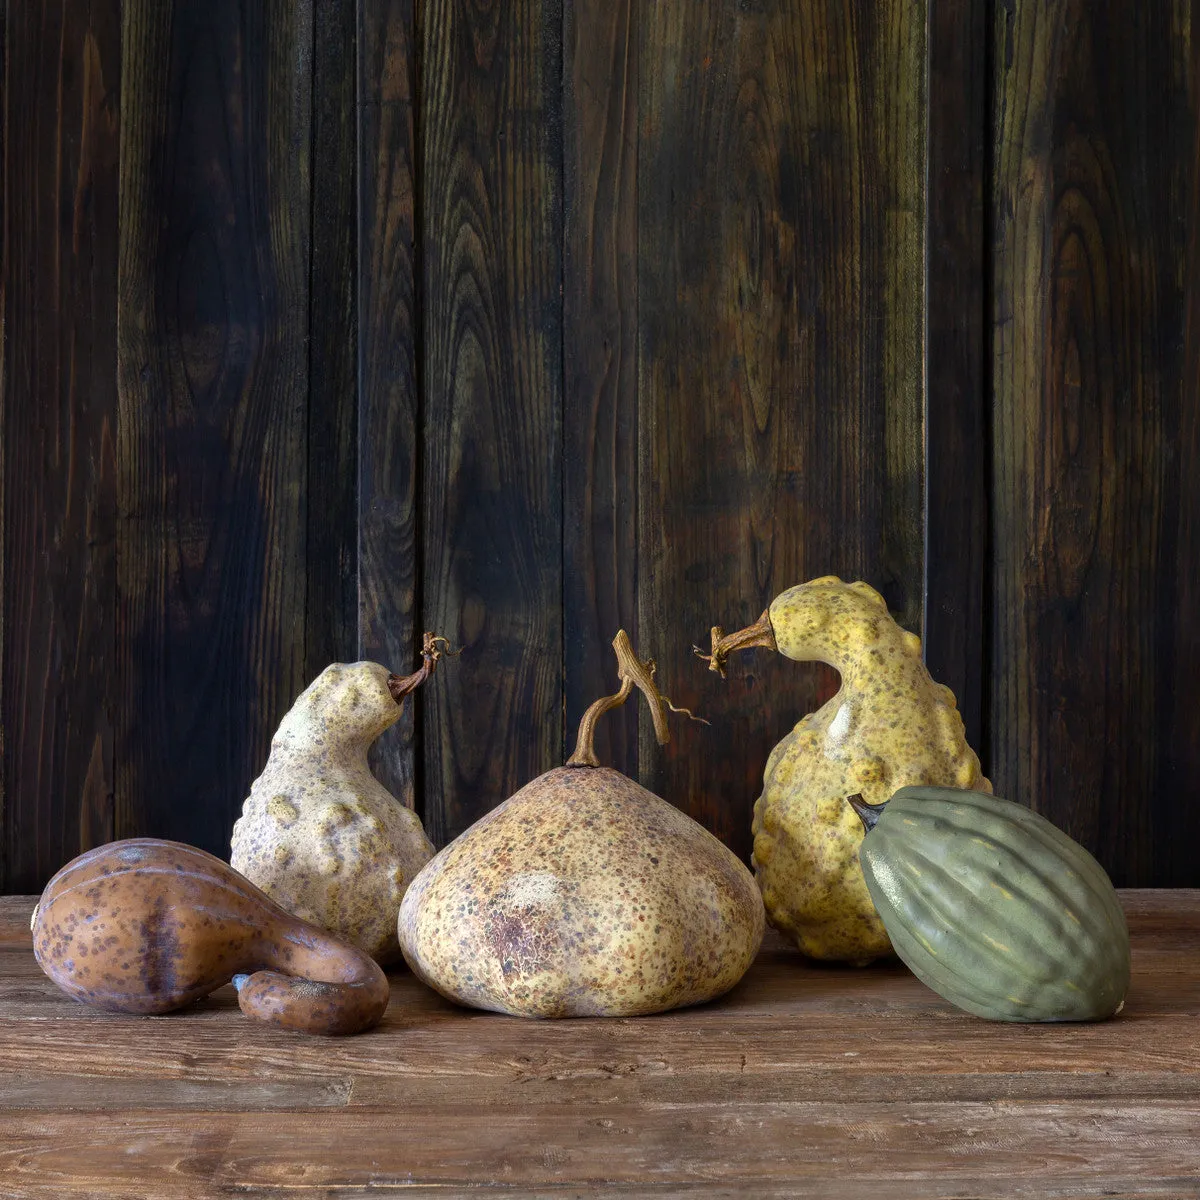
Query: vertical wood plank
[[956, 398], [5, 855], [389, 411], [213, 326], [61, 79], [490, 180], [600, 552], [331, 606], [1094, 195], [1177, 812], [780, 215]]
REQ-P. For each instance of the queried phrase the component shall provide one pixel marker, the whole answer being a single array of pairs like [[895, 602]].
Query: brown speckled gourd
[[319, 833], [584, 894], [889, 726], [147, 926]]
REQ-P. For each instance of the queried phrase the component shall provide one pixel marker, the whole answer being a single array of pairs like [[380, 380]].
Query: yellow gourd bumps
[[889, 726]]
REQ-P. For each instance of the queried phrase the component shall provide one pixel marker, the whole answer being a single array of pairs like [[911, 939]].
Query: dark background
[[329, 321]]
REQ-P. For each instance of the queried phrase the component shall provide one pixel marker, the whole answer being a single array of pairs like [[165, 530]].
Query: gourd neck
[[347, 753], [873, 647], [858, 645], [304, 734]]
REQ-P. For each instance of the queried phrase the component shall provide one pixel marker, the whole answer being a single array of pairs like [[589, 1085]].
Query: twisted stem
[[633, 672], [432, 649]]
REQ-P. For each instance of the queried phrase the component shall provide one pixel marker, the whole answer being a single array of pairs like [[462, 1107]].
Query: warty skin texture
[[319, 833], [889, 725]]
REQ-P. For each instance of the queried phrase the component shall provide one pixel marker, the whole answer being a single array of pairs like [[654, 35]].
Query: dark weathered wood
[[600, 445], [491, 228], [213, 364], [60, 76], [956, 399], [331, 566], [488, 327], [805, 1080], [780, 254], [389, 433], [1094, 192], [1177, 819]]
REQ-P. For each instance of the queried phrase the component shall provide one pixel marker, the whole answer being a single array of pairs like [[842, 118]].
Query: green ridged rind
[[996, 909]]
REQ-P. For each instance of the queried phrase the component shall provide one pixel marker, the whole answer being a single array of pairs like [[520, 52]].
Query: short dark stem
[[869, 814], [432, 648]]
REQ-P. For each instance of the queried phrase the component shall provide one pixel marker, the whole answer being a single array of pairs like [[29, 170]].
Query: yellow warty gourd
[[889, 726]]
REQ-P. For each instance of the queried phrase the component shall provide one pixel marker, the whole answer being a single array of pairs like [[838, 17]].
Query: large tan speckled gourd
[[319, 833], [889, 726], [584, 894]]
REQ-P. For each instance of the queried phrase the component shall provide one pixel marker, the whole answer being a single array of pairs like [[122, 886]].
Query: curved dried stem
[[433, 647], [723, 644], [633, 672]]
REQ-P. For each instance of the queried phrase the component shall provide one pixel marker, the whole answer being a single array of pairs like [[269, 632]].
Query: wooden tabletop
[[804, 1081]]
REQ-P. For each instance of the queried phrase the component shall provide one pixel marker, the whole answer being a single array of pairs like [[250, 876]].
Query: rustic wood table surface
[[804, 1081]]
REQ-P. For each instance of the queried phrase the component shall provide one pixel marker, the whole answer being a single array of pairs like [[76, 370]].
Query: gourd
[[889, 725], [584, 894], [995, 908], [319, 833], [148, 926]]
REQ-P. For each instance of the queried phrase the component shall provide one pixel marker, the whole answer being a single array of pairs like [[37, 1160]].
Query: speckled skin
[[582, 895], [319, 833], [888, 726], [147, 926]]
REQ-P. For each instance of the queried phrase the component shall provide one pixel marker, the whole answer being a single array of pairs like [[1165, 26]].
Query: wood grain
[[331, 552], [61, 80], [389, 431], [975, 1149], [804, 1080], [211, 454], [491, 205], [600, 433], [956, 402], [1176, 823], [361, 319], [780, 258], [1093, 194]]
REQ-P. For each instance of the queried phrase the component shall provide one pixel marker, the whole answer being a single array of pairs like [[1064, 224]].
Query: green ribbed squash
[[994, 908]]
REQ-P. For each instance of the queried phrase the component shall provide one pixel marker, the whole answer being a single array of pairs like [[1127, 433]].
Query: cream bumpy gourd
[[889, 726], [319, 833]]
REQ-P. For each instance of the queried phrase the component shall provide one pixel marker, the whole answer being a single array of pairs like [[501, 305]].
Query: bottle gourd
[[889, 725], [148, 926], [319, 833]]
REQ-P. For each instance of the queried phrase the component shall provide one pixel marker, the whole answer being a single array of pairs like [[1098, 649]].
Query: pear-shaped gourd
[[319, 833], [584, 894], [147, 926], [889, 725]]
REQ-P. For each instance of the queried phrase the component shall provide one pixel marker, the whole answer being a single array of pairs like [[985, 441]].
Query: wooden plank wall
[[780, 188], [327, 322], [1095, 202]]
